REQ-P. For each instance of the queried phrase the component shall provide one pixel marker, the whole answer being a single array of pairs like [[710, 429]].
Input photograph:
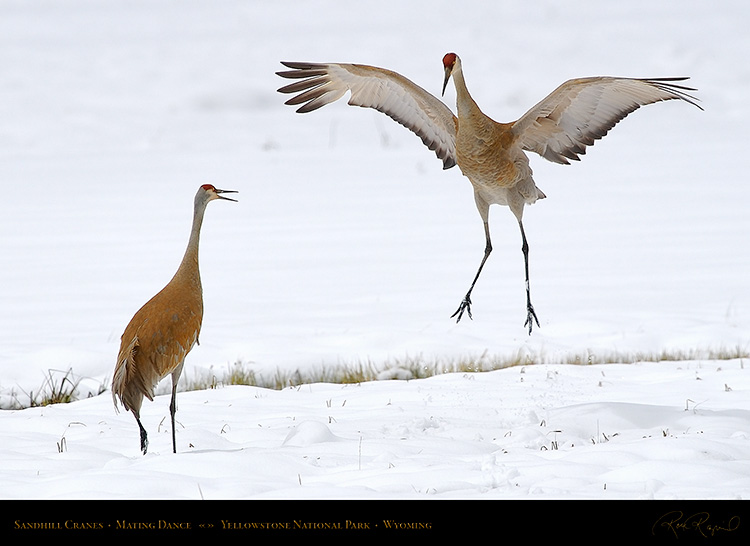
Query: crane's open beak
[[218, 192], [448, 71]]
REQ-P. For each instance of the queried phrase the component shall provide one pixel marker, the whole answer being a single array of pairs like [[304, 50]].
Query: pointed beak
[[448, 71], [219, 192]]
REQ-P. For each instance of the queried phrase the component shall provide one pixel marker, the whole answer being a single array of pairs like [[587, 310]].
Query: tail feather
[[128, 382]]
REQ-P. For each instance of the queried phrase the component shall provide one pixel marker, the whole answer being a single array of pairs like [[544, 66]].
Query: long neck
[[464, 103], [189, 263]]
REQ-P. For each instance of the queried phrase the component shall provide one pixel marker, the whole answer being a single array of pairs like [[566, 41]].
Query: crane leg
[[530, 313], [466, 302], [173, 404], [144, 436], [172, 411]]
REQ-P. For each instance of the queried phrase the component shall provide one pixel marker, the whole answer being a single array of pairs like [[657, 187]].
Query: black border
[[529, 520]]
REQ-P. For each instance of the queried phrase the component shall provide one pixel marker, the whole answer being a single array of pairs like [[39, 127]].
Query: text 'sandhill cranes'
[[164, 330], [490, 154]]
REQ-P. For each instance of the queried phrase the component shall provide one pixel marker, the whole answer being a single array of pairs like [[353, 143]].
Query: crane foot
[[465, 306], [144, 442], [529, 315]]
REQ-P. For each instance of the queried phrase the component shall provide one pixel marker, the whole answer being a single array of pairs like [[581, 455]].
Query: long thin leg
[[144, 436], [530, 313], [173, 404], [466, 303]]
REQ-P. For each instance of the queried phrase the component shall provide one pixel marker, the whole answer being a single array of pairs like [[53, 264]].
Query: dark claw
[[465, 306], [529, 314]]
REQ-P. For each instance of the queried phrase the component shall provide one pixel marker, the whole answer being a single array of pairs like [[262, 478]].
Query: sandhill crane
[[490, 154], [163, 331]]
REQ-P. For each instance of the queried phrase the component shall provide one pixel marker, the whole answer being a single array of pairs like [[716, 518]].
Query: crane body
[[162, 332], [490, 154]]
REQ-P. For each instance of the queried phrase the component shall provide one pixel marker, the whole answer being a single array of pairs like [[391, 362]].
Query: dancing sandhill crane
[[163, 331], [490, 154]]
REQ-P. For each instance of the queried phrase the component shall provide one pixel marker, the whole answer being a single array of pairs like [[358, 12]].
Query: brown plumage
[[490, 154], [162, 332]]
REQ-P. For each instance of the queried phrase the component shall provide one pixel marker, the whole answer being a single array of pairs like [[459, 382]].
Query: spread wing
[[385, 91], [583, 110]]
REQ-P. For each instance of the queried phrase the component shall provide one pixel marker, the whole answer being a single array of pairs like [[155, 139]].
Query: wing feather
[[581, 111], [384, 90]]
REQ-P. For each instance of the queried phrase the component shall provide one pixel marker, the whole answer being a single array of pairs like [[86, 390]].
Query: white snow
[[349, 243]]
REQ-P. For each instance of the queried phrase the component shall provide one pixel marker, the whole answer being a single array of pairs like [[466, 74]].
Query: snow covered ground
[[349, 244]]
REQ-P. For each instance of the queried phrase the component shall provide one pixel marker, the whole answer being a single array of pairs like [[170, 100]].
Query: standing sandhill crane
[[490, 154], [164, 330]]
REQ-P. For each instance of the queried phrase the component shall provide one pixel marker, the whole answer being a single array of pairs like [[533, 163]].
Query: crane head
[[449, 62], [214, 193]]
